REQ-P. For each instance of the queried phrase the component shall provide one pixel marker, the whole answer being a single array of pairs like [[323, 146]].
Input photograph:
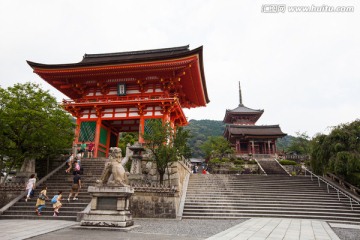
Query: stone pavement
[[278, 228], [252, 229], [23, 229]]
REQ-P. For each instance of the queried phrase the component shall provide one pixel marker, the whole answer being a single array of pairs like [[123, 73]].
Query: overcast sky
[[302, 68]]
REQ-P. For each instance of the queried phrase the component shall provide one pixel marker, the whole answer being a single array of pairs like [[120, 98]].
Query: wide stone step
[[330, 218], [244, 195], [236, 196], [308, 208]]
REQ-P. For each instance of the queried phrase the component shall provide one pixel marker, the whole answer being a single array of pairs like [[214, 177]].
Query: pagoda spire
[[240, 104]]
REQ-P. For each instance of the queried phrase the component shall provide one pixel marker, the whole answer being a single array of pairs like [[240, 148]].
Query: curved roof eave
[[182, 52]]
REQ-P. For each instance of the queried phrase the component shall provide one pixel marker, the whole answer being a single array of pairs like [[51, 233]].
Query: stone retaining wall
[[153, 201], [154, 204], [9, 191]]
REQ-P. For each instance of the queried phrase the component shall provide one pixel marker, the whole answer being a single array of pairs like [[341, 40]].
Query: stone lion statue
[[115, 169]]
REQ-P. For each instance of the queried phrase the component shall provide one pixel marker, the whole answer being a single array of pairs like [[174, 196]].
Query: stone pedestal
[[26, 170], [109, 207]]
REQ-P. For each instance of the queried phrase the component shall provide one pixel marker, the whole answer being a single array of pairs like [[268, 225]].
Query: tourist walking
[[75, 187], [77, 167], [90, 149], [30, 187], [69, 162], [56, 201], [82, 149], [40, 202]]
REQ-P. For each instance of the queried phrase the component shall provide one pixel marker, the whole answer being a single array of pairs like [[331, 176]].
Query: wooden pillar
[[269, 144], [274, 147], [77, 131], [97, 136], [252, 147], [166, 118], [141, 129], [238, 149], [108, 142]]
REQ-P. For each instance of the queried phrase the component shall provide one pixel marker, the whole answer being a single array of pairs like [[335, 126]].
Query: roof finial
[[241, 104]]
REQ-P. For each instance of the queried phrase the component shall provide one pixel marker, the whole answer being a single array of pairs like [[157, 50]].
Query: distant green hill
[[200, 130]]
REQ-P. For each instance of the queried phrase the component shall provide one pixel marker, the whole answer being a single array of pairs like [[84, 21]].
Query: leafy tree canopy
[[200, 131], [300, 144], [126, 138], [32, 125], [166, 145], [339, 151], [216, 147]]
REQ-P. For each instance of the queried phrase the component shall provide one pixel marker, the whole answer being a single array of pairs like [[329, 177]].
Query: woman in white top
[[30, 185]]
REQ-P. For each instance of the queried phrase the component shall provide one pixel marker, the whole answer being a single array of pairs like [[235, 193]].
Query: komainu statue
[[115, 169]]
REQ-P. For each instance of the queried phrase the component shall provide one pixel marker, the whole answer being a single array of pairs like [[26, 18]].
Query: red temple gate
[[117, 92]]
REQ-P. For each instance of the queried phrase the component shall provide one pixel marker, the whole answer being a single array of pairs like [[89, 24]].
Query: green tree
[[200, 130], [300, 144], [32, 124], [216, 147], [338, 152], [165, 144], [126, 138]]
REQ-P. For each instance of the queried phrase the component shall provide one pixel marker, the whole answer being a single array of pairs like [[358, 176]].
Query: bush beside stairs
[[60, 181]]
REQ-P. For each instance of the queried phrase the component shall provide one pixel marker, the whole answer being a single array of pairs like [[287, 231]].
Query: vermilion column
[[108, 142], [77, 134], [97, 136], [77, 131], [141, 129]]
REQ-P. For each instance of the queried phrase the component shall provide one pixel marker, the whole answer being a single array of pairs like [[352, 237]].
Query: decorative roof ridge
[[242, 105], [181, 48], [254, 126]]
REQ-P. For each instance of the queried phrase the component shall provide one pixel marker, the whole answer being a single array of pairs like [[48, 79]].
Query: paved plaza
[[190, 229]]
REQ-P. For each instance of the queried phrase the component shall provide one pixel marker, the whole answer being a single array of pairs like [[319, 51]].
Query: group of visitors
[[56, 200], [89, 148], [204, 170], [73, 163], [40, 202]]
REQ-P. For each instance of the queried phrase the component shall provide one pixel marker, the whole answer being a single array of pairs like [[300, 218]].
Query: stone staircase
[[60, 181], [240, 196], [271, 167]]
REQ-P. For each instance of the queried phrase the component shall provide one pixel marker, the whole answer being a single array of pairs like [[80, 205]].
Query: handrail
[[23, 194], [331, 185], [260, 166], [283, 167]]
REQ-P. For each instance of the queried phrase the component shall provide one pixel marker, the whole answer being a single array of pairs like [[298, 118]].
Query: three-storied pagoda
[[245, 136], [117, 92]]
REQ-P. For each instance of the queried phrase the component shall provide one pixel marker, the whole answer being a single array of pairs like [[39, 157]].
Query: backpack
[[77, 167], [42, 196], [54, 199]]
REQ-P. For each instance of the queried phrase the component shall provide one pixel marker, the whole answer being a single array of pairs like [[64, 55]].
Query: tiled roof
[[255, 130]]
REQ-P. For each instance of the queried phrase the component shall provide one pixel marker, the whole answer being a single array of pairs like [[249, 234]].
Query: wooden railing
[[344, 184]]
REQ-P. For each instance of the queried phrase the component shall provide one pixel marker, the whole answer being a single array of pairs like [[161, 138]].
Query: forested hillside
[[200, 130]]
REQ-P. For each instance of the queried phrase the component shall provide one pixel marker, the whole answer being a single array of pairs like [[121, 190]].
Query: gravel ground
[[186, 227], [150, 229], [167, 229], [347, 234]]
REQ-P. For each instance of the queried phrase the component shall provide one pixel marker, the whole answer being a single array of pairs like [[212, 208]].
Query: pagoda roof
[[149, 66], [254, 130], [242, 110]]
